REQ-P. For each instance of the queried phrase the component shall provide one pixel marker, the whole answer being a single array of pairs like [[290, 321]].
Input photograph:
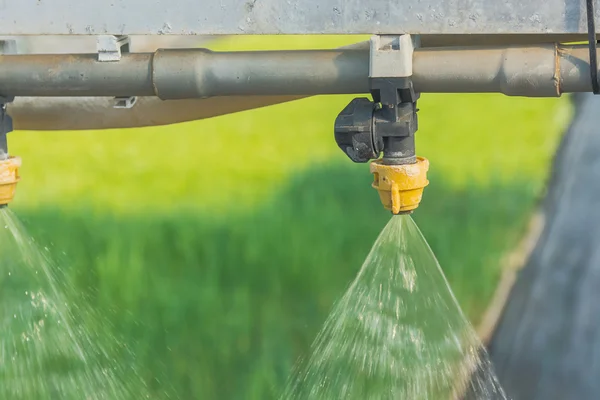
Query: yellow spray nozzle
[[400, 187], [9, 176]]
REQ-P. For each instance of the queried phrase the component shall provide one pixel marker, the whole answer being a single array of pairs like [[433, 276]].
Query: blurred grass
[[217, 247]]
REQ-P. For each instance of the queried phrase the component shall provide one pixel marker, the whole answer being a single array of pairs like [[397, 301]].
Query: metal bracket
[[391, 56], [390, 69], [125, 102], [110, 47]]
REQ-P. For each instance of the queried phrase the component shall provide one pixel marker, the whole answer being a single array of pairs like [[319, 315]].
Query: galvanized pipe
[[180, 74], [515, 71], [75, 75], [541, 70], [534, 71], [83, 113]]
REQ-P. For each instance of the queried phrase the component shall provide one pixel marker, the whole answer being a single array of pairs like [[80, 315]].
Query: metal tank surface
[[231, 17]]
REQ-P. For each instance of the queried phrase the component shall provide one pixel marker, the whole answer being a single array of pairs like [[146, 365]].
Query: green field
[[216, 248]]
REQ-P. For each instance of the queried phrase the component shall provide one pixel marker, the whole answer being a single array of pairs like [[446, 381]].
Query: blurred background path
[[547, 344]]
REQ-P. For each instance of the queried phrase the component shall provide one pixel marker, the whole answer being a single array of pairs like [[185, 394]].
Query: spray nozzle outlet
[[400, 186]]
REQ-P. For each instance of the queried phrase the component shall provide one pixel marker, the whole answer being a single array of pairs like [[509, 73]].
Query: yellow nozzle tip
[[9, 177], [400, 187]]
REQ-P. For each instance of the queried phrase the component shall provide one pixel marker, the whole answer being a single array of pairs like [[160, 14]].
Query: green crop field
[[216, 248]]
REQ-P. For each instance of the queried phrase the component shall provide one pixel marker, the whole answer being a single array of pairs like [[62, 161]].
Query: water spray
[[365, 129]]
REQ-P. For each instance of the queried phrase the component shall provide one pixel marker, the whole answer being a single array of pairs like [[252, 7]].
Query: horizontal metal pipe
[[86, 113], [514, 71], [538, 70], [75, 75], [90, 113], [546, 70], [189, 73], [202, 73]]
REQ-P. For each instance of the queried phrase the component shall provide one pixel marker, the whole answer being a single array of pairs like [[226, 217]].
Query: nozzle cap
[[400, 187]]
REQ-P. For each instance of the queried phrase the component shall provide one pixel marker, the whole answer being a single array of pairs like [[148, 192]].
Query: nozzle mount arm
[[387, 124]]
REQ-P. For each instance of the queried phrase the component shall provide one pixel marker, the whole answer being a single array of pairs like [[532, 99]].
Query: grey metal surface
[[536, 71], [392, 55], [67, 113], [547, 344], [210, 17]]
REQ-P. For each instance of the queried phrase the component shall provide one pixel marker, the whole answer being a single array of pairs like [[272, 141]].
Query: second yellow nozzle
[[9, 176], [400, 187]]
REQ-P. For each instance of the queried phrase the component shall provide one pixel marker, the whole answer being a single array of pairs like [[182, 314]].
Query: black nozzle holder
[[365, 129], [395, 120], [6, 126]]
